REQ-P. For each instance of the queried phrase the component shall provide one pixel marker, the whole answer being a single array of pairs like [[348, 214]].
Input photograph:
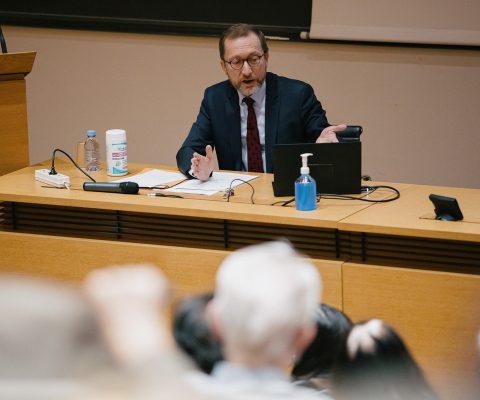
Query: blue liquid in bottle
[[305, 188], [305, 193]]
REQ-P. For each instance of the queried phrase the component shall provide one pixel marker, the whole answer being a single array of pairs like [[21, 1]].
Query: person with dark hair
[[315, 366], [375, 364], [243, 117], [193, 335]]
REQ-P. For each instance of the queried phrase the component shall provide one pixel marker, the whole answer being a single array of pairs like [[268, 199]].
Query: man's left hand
[[328, 135]]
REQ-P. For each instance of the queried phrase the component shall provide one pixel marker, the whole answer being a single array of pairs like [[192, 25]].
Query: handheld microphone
[[112, 187]]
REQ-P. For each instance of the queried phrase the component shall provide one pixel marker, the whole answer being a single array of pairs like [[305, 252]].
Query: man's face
[[247, 79]]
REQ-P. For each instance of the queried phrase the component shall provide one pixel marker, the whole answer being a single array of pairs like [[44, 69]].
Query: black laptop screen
[[336, 167]]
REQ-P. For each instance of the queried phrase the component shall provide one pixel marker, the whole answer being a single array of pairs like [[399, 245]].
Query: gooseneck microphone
[[112, 187]]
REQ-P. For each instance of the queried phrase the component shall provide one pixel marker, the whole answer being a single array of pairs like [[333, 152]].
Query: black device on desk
[[446, 208], [336, 167], [350, 134]]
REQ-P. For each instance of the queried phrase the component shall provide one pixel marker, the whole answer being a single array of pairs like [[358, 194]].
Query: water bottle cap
[[91, 133]]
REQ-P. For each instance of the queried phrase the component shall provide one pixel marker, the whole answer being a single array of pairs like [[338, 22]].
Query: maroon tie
[[254, 149]]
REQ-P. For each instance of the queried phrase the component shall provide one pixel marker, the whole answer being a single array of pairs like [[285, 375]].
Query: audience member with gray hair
[[264, 312], [375, 364]]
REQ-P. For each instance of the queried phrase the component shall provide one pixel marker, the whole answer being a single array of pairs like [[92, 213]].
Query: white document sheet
[[218, 182], [154, 178]]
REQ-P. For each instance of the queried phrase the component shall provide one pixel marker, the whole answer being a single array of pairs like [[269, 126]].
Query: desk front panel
[[191, 270], [437, 313]]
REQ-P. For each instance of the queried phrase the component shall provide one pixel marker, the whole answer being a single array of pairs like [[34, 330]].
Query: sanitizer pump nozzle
[[305, 170], [305, 187]]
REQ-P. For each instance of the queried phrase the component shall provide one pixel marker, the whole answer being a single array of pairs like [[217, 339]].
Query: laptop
[[336, 167]]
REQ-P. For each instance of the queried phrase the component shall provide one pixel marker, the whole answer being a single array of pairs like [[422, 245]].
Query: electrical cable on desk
[[177, 196], [52, 169], [230, 191], [368, 189]]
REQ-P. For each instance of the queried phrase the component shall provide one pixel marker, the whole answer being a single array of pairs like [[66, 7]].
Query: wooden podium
[[13, 110]]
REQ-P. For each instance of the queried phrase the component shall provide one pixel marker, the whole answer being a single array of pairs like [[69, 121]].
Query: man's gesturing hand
[[202, 166], [328, 134]]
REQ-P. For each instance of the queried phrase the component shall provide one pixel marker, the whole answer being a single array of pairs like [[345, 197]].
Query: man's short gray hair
[[264, 295]]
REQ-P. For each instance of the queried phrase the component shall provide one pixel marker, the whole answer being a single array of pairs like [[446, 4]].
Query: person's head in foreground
[[264, 305], [376, 364], [192, 333], [314, 367], [51, 345]]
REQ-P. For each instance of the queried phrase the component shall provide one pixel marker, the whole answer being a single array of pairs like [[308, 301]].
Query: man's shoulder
[[283, 81], [238, 385], [223, 86]]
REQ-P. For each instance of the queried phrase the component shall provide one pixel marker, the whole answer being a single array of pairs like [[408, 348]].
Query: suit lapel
[[272, 108], [232, 111]]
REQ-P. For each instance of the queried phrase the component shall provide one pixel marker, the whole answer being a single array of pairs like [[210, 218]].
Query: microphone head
[[129, 187]]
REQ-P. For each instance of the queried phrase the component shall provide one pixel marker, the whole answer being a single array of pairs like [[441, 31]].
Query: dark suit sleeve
[[313, 116], [198, 138]]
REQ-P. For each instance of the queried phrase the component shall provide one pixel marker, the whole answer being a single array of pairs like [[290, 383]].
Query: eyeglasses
[[237, 63]]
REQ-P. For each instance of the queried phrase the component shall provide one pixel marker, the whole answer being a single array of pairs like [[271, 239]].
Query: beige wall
[[420, 108]]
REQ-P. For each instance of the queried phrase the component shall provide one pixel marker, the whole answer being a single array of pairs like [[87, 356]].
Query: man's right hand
[[202, 166]]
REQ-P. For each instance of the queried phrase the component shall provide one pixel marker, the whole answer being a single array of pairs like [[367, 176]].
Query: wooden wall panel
[[190, 270], [331, 273], [437, 313]]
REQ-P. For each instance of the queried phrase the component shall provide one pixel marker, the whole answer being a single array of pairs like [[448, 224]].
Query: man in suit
[[245, 116]]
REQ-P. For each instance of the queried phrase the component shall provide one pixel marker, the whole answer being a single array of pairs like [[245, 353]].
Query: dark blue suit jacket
[[292, 115]]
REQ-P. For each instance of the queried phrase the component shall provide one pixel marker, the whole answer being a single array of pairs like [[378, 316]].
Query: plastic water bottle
[[305, 187], [92, 162]]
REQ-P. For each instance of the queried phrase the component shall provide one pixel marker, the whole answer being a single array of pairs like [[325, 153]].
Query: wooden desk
[[436, 308], [405, 232], [376, 260], [207, 222]]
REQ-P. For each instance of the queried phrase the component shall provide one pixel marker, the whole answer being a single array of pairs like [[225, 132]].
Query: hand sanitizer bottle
[[305, 187]]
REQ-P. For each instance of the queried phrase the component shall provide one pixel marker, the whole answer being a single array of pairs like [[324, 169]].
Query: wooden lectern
[[13, 110]]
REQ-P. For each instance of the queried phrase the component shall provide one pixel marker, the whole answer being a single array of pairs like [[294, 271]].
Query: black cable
[[52, 170], [177, 196], [3, 43], [287, 202], [229, 193], [368, 189], [283, 203]]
